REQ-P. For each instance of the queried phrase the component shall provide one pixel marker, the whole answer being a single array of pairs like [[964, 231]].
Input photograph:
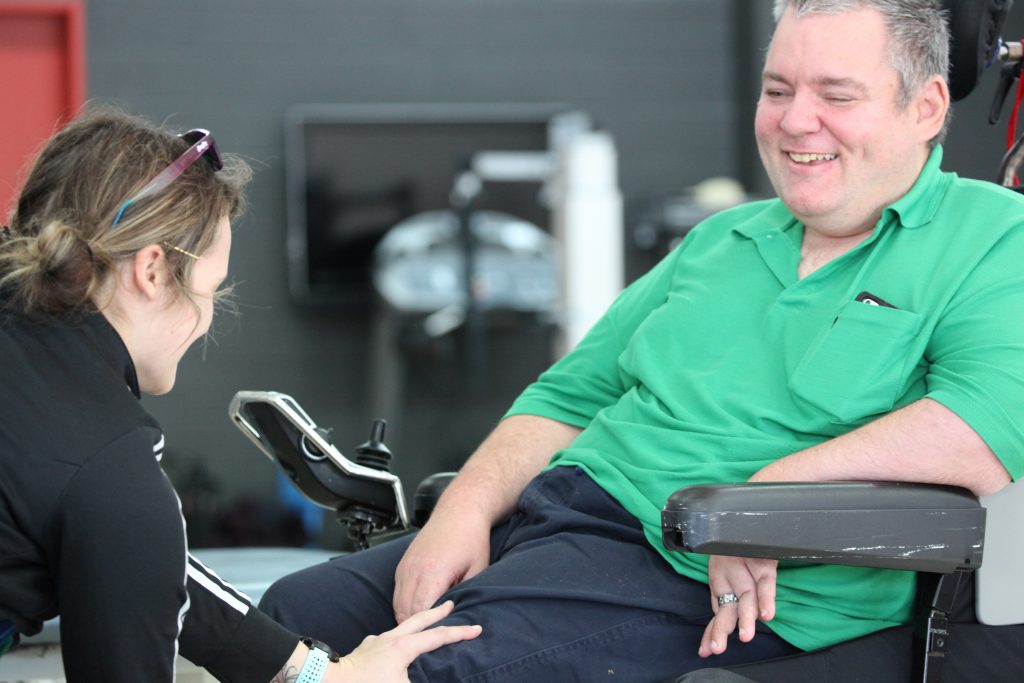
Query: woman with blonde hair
[[114, 258]]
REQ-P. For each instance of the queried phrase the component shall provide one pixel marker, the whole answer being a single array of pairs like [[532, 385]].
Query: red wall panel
[[42, 81]]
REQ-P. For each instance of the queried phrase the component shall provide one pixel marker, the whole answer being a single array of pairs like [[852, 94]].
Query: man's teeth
[[808, 158]]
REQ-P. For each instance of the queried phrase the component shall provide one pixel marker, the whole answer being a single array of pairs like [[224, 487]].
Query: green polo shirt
[[720, 361]]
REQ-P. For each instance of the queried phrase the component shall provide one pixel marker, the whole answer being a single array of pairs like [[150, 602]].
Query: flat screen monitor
[[354, 171]]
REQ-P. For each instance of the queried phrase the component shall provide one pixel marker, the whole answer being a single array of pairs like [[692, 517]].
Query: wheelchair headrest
[[974, 27]]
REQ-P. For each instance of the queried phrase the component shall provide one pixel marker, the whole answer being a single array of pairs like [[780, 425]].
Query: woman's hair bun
[[54, 270]]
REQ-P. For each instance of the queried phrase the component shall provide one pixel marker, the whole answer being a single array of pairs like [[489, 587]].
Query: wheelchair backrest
[[1000, 590]]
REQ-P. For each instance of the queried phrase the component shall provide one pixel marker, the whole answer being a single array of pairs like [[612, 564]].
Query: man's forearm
[[922, 442], [490, 482]]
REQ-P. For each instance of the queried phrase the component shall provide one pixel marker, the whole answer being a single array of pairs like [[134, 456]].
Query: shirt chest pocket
[[857, 367]]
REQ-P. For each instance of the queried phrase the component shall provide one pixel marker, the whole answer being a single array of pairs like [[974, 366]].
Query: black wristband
[[320, 645]]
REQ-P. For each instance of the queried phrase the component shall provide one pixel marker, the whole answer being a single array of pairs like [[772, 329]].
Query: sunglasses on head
[[202, 145]]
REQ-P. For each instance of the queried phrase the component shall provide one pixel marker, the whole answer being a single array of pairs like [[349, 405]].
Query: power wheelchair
[[966, 551], [971, 616]]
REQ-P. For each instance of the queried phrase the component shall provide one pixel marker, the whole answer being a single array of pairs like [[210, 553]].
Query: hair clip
[[182, 251], [6, 232]]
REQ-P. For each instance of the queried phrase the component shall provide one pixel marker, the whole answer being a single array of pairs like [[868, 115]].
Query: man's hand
[[456, 543], [752, 581], [446, 552], [386, 658]]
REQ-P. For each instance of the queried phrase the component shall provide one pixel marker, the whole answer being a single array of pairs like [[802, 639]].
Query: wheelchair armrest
[[915, 527]]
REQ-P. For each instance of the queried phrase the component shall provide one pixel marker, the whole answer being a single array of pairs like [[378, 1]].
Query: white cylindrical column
[[588, 224]]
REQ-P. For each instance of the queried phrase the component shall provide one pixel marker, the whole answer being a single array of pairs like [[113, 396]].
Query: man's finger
[[428, 591], [421, 620], [402, 599], [747, 615], [705, 641], [722, 625], [418, 594], [766, 597]]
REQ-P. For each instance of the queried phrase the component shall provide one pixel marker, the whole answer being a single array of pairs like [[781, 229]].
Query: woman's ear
[[149, 273]]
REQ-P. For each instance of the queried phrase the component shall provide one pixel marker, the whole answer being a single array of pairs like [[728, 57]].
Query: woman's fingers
[[417, 638], [416, 644], [421, 620], [385, 658]]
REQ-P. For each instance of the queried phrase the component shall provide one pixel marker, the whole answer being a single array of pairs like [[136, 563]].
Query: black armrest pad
[[916, 527], [427, 494]]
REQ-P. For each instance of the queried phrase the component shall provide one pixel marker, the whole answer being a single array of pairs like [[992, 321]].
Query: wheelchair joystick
[[374, 453], [366, 497], [361, 521]]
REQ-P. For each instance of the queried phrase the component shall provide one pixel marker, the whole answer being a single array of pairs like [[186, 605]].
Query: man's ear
[[932, 104], [149, 273]]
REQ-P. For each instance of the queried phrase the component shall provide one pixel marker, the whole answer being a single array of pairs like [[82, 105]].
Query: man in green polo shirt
[[867, 324]]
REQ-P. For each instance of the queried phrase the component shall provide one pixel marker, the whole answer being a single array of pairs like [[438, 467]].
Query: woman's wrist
[[311, 661], [290, 671]]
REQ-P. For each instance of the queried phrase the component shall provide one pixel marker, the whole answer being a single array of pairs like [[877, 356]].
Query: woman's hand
[[386, 658], [752, 582]]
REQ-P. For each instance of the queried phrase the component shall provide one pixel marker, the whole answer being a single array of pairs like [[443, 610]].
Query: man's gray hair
[[918, 37]]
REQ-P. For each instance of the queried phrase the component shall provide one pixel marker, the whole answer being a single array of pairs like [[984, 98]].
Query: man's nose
[[801, 116]]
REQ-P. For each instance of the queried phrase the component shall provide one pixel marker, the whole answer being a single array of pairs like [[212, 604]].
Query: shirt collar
[[914, 209], [775, 218], [918, 206], [114, 350]]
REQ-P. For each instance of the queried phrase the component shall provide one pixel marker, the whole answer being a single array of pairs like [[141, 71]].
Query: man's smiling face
[[832, 137]]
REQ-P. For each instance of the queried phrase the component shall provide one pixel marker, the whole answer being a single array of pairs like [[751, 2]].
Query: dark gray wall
[[673, 80], [654, 72]]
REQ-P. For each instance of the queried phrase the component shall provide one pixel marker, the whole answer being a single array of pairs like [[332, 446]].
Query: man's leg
[[341, 601], [574, 593]]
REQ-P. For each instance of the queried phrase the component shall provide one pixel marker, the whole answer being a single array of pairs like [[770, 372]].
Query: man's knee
[[284, 596]]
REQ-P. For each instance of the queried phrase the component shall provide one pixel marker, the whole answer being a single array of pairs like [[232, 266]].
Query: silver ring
[[726, 598]]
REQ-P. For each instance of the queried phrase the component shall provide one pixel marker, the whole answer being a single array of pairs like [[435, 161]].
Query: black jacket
[[91, 529]]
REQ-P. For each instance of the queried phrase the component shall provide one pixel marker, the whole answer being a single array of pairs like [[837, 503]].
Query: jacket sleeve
[[119, 562], [131, 598], [227, 635]]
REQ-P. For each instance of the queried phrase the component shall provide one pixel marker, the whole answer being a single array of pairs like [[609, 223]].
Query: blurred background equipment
[[659, 224], [354, 171], [674, 83]]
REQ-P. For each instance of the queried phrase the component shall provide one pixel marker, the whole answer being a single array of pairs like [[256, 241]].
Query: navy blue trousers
[[574, 593]]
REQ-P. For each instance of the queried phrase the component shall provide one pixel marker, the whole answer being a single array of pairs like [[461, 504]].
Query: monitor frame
[[562, 121]]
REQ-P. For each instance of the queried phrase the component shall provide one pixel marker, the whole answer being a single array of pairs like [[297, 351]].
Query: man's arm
[[922, 442], [455, 543]]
